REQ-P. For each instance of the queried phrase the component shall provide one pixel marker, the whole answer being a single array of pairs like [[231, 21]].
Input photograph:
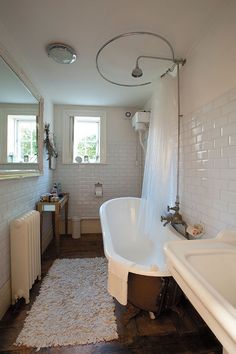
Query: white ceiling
[[86, 25]]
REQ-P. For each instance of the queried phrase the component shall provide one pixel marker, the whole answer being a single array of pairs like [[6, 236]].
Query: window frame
[[95, 121], [68, 135], [15, 109], [17, 119]]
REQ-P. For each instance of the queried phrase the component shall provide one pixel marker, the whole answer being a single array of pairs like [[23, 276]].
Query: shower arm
[[152, 57], [175, 62]]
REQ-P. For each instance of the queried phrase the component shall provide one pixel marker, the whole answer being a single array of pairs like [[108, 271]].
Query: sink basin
[[218, 269], [206, 272]]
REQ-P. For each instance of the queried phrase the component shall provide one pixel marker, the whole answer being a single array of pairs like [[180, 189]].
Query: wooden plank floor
[[169, 334]]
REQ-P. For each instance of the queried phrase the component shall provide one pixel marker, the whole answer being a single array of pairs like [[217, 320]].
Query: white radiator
[[25, 254]]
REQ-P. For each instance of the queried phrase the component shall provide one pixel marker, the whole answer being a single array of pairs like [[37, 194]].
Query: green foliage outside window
[[28, 143], [88, 147]]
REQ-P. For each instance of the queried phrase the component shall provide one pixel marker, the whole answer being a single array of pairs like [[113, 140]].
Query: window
[[84, 137], [22, 138]]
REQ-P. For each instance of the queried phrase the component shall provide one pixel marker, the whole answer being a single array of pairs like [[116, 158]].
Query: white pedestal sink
[[206, 272]]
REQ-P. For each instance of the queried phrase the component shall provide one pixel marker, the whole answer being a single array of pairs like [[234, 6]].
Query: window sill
[[85, 163]]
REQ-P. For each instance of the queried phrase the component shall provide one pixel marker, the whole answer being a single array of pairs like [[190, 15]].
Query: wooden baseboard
[[90, 226], [5, 298]]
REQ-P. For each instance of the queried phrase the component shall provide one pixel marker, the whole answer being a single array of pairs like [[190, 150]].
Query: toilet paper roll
[[98, 193], [98, 190]]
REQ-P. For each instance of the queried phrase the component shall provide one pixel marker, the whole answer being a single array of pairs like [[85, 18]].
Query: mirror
[[21, 123]]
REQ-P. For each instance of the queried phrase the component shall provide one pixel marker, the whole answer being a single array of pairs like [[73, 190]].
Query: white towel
[[117, 284]]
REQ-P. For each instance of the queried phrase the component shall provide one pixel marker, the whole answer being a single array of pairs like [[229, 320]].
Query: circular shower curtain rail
[[172, 58]]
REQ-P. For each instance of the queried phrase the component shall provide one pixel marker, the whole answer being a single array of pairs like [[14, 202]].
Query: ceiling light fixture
[[61, 53]]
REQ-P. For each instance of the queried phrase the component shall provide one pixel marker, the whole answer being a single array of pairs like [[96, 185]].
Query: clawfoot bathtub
[[137, 271]]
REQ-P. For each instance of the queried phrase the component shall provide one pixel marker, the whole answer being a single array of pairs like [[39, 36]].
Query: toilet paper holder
[[98, 191]]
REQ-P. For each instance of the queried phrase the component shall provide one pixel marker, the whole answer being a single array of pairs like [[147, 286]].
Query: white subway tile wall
[[17, 197], [208, 165], [120, 177]]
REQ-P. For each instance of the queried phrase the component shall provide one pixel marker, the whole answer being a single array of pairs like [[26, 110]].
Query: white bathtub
[[122, 242], [137, 271]]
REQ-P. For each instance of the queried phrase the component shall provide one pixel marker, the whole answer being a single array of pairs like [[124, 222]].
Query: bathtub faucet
[[167, 219], [175, 218]]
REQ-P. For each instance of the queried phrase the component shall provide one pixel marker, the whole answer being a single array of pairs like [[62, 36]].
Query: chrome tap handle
[[175, 208], [170, 208]]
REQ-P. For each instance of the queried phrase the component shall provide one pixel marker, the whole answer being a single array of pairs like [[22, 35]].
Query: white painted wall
[[210, 68], [208, 138], [120, 176]]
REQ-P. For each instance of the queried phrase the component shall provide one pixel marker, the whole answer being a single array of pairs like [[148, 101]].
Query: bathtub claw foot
[[131, 312]]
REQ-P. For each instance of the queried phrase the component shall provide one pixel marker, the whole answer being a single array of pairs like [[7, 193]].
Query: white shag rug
[[73, 306]]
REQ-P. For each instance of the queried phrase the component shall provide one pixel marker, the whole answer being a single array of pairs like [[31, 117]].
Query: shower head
[[137, 72]]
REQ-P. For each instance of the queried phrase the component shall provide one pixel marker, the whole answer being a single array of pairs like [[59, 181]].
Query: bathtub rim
[[110, 254]]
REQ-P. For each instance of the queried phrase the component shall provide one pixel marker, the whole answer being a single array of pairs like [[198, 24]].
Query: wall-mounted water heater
[[140, 121]]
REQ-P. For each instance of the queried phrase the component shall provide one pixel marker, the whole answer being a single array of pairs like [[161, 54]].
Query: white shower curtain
[[159, 183]]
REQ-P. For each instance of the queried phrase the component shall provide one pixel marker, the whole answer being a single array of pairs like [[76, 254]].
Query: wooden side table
[[55, 208]]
